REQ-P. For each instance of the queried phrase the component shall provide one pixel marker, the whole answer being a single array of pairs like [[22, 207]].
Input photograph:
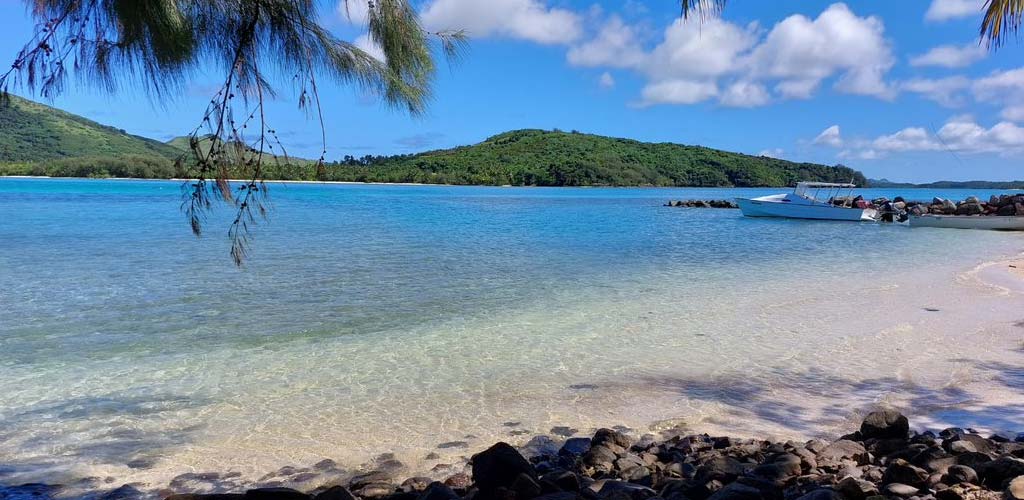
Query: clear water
[[374, 319]]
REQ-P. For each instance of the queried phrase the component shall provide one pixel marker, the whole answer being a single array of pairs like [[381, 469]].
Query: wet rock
[[737, 491], [326, 464], [613, 440], [960, 474], [453, 444], [620, 490], [498, 466], [361, 480], [574, 447], [335, 493], [416, 484], [563, 431], [836, 453], [993, 474], [563, 480], [375, 490], [856, 489], [901, 490], [438, 491], [275, 494], [600, 457], [901, 471], [525, 487], [459, 481], [725, 469], [885, 424], [820, 494]]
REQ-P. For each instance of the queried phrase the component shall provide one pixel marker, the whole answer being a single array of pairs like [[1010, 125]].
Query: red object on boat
[[863, 204]]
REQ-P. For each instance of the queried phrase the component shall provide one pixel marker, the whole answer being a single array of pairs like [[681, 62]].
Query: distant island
[[886, 183], [36, 139]]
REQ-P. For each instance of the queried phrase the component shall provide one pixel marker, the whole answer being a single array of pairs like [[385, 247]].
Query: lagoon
[[381, 318]]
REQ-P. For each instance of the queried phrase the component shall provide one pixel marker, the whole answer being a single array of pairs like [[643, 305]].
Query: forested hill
[[555, 158], [40, 140], [33, 132]]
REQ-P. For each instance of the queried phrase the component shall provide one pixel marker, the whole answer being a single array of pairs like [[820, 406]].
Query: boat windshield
[[825, 192]]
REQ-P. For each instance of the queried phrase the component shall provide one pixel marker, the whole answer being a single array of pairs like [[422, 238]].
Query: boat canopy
[[813, 190]]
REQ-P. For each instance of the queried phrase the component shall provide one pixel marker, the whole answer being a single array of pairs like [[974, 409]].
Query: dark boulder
[[499, 466], [993, 474], [901, 471], [835, 454], [574, 447], [885, 424], [335, 493], [737, 491], [275, 494], [960, 474], [856, 489], [438, 491]]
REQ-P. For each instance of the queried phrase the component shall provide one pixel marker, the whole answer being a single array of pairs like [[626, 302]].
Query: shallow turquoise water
[[431, 312]]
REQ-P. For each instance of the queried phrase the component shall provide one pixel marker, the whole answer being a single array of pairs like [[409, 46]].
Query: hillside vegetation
[[39, 140], [555, 158], [31, 132]]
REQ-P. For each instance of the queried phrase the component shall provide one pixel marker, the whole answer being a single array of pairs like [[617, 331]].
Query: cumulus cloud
[[802, 52], [678, 92], [606, 80], [961, 134], [951, 56], [942, 10], [772, 153], [1003, 88], [830, 137], [947, 92], [742, 65], [615, 45], [745, 95], [530, 20], [908, 139]]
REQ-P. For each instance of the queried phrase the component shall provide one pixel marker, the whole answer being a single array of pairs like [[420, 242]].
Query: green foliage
[[518, 158], [555, 158], [32, 132]]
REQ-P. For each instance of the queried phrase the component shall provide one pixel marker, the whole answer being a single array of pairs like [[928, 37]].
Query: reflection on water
[[377, 319]]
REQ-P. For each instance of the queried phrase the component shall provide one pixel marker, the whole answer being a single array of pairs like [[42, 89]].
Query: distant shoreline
[[288, 181]]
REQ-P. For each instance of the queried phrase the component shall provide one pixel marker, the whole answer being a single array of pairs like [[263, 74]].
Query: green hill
[[32, 132], [40, 140], [554, 158]]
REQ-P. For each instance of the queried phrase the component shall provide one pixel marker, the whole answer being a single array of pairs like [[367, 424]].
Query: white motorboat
[[810, 200], [990, 222]]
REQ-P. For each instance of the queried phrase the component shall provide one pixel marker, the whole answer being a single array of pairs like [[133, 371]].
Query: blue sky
[[899, 90]]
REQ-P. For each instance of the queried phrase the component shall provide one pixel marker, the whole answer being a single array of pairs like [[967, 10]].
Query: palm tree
[[1002, 18], [255, 44]]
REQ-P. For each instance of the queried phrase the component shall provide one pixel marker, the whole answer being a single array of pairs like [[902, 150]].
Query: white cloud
[[908, 139], [694, 58], [942, 10], [772, 153], [614, 46], [1013, 113], [529, 20], [745, 95], [951, 56], [354, 11], [1004, 88], [947, 92], [370, 47], [960, 134], [606, 80], [864, 154], [692, 49], [678, 92], [801, 53], [830, 137]]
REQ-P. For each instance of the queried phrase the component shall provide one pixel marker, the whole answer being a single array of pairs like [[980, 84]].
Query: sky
[[899, 90]]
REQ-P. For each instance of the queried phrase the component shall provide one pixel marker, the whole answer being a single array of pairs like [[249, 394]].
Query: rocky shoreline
[[997, 205], [883, 460]]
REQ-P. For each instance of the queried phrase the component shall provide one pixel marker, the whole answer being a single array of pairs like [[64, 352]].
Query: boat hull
[[759, 208], [989, 222]]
